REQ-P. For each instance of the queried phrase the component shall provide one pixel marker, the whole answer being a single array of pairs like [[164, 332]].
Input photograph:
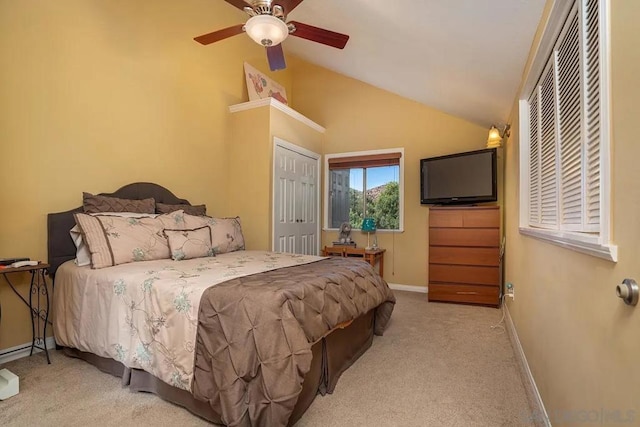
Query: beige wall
[[97, 94], [361, 117], [248, 170], [580, 340], [251, 167], [295, 131]]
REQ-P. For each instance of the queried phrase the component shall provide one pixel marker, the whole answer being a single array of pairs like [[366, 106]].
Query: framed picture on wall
[[260, 86]]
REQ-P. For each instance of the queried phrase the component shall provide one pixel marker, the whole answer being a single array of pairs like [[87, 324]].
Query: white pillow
[[83, 256]]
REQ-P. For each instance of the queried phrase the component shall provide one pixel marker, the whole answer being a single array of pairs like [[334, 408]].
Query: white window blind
[[534, 162], [548, 142], [564, 126], [564, 131], [569, 121], [592, 65]]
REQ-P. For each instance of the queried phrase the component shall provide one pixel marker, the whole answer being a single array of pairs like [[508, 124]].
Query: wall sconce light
[[496, 136]]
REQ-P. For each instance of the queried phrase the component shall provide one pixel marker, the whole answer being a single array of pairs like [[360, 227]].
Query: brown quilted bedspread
[[255, 334]]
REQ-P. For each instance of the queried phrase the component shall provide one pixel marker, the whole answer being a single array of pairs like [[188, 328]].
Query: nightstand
[[38, 302], [372, 256]]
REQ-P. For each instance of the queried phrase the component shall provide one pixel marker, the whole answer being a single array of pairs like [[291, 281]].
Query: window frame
[[600, 244], [327, 173]]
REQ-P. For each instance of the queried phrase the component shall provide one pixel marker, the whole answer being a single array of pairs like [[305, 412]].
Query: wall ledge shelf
[[280, 106]]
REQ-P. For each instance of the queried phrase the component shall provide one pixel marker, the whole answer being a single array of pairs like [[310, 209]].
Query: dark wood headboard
[[59, 244]]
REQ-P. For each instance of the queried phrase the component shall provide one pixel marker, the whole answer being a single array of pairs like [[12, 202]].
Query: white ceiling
[[463, 57]]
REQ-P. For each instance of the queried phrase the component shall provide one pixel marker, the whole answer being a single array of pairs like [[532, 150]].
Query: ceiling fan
[[267, 26]]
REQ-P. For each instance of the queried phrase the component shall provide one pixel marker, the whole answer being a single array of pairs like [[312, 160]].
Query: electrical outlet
[[510, 291]]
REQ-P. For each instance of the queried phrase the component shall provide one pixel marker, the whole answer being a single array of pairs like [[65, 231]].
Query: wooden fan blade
[[288, 5], [220, 34], [240, 4], [275, 55], [320, 35]]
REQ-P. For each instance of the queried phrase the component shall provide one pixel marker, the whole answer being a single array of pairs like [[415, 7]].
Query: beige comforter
[[145, 314], [236, 338]]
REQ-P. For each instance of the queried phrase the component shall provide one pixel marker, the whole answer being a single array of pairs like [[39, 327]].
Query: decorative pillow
[[187, 244], [175, 221], [197, 210], [114, 240], [226, 233], [97, 204], [83, 256], [127, 214]]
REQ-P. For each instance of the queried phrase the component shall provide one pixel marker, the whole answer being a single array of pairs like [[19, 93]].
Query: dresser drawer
[[477, 237], [445, 218], [473, 294], [464, 274], [464, 256], [489, 218], [465, 218]]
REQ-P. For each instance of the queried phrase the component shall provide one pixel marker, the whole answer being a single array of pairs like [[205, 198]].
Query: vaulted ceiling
[[463, 57]]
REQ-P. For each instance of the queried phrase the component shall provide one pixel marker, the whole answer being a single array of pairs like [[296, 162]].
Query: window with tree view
[[365, 186]]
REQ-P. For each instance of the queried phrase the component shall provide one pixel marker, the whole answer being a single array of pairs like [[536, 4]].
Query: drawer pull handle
[[467, 293]]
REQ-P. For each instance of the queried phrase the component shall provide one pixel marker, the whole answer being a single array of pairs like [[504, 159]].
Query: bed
[[242, 338]]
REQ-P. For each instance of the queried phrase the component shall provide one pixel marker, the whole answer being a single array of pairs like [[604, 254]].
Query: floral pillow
[[188, 244], [226, 233], [114, 240], [175, 220], [83, 256]]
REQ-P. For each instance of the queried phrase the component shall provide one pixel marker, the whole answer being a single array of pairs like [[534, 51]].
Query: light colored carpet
[[437, 365]]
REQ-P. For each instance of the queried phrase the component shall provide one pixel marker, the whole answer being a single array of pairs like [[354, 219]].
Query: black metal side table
[[38, 302]]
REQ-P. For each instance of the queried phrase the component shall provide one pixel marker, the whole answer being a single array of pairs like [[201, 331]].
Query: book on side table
[[9, 261]]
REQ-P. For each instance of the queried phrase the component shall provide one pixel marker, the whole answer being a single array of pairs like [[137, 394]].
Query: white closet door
[[295, 201], [308, 220]]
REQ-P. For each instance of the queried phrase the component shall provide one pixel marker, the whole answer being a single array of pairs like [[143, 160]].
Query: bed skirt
[[332, 355]]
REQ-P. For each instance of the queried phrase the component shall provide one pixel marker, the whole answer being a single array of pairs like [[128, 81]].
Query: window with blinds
[[364, 184], [564, 141]]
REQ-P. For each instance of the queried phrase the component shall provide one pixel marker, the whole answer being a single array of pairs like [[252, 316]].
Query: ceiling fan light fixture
[[266, 30]]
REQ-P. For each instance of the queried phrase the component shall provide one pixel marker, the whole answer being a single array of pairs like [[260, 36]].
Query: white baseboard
[[409, 288], [539, 413], [23, 350]]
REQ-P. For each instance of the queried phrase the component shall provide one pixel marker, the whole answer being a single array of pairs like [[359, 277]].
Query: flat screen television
[[462, 178]]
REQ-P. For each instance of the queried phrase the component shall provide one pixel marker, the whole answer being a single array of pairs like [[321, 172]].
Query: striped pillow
[[114, 240]]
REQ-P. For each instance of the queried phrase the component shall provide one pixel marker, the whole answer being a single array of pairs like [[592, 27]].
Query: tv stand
[[464, 254]]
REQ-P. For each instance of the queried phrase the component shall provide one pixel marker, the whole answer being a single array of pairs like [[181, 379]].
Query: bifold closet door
[[295, 198]]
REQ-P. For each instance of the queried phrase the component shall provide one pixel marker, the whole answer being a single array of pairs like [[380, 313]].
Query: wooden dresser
[[464, 255]]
